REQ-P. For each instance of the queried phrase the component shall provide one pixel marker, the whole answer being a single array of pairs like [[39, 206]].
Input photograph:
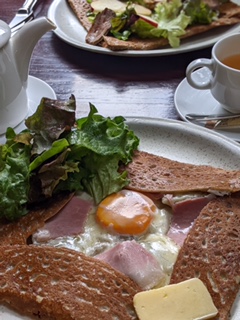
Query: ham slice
[[69, 221], [184, 214], [131, 259]]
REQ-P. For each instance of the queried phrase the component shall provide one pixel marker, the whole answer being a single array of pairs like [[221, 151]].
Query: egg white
[[96, 239]]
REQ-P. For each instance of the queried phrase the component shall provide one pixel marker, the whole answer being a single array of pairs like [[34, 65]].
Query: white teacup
[[223, 78]]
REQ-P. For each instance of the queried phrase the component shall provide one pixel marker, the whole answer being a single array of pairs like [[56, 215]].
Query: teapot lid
[[5, 33]]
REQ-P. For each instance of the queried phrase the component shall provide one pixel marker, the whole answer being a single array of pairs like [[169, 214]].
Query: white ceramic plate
[[35, 91], [190, 100], [70, 30], [183, 142]]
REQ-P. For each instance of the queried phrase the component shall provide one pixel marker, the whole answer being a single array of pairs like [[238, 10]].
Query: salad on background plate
[[72, 24], [147, 25]]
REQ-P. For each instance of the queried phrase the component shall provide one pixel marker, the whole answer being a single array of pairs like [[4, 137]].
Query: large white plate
[[183, 142], [69, 30], [190, 100]]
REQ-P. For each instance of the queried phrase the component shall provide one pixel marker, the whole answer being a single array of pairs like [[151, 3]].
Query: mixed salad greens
[[60, 153], [171, 19]]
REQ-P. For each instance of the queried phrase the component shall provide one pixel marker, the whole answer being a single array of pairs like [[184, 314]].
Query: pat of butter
[[187, 300]]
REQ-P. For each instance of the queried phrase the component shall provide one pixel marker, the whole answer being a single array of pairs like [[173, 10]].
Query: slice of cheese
[[188, 300]]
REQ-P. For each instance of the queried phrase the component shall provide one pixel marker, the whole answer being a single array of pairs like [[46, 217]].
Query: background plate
[[70, 30], [183, 142]]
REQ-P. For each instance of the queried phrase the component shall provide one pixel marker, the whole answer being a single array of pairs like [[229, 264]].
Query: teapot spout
[[24, 41]]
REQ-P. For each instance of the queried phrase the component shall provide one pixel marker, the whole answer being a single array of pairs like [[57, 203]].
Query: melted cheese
[[188, 300]]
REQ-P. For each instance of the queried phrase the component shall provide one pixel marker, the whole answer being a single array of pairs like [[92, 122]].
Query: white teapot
[[15, 55]]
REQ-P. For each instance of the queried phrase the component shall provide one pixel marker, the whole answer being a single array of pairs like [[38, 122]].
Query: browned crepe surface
[[211, 252], [18, 231], [151, 173], [62, 284], [80, 9], [229, 15], [148, 173]]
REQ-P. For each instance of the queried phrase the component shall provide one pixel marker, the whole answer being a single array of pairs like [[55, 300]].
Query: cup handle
[[194, 65]]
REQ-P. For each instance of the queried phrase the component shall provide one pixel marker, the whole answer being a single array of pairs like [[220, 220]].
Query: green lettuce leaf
[[14, 177], [57, 147], [100, 144], [84, 156], [172, 22], [55, 171], [172, 18], [104, 136], [52, 119], [120, 24], [199, 12], [103, 179]]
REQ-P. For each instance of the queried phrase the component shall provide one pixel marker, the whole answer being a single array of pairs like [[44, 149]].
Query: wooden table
[[130, 86]]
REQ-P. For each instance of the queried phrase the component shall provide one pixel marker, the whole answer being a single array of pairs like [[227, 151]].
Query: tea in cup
[[223, 78]]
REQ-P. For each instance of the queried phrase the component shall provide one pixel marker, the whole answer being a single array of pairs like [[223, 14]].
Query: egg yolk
[[126, 212]]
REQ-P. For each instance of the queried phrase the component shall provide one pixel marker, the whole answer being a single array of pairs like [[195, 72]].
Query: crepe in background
[[229, 15]]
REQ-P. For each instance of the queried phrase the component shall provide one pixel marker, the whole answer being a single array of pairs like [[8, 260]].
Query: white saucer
[[190, 100], [37, 89]]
